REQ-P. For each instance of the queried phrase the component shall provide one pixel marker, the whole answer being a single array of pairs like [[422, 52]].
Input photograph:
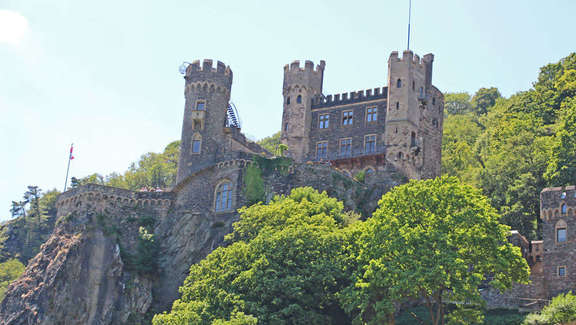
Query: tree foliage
[[10, 270], [433, 239], [271, 143], [561, 310]]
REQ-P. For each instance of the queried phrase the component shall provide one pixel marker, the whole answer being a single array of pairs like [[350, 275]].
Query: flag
[[71, 150]]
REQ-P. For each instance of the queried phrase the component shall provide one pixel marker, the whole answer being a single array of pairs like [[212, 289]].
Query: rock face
[[97, 267]]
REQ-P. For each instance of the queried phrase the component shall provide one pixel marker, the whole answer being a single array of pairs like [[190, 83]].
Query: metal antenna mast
[[409, 18]]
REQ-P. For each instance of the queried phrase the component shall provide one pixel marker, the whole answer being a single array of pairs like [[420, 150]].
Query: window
[[563, 208], [370, 143], [322, 150], [346, 147], [563, 195], [288, 100], [197, 124], [371, 114], [433, 100], [435, 123], [413, 139], [324, 121], [398, 83], [400, 156], [397, 105], [561, 271], [560, 235], [196, 143], [413, 85], [285, 126], [299, 99], [200, 105], [347, 118], [196, 146], [223, 200]]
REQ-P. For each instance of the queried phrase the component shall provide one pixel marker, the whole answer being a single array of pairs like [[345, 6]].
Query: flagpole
[[409, 18], [68, 168]]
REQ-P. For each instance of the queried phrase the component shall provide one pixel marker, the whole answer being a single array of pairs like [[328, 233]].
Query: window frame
[[218, 203], [347, 145], [373, 114], [348, 119], [561, 267], [367, 136], [325, 146], [200, 101], [324, 123]]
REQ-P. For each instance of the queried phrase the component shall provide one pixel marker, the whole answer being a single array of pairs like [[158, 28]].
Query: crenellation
[[350, 97]]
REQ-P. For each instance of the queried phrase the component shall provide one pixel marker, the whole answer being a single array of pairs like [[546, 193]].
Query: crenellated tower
[[207, 96], [414, 116], [299, 88]]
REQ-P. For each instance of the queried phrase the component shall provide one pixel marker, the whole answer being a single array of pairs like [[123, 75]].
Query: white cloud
[[13, 27]]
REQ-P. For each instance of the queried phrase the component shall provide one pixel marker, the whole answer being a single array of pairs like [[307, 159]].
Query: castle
[[389, 134]]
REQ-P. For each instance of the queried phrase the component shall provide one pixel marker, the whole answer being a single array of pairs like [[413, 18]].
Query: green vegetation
[[10, 270], [152, 170], [254, 184], [145, 260], [513, 147], [302, 260], [271, 143], [561, 310]]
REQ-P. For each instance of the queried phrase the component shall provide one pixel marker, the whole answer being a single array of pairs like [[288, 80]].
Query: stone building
[[398, 124], [85, 273]]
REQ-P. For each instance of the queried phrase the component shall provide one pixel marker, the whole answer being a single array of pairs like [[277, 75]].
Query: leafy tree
[[284, 268], [10, 270], [459, 156], [254, 184], [484, 99], [271, 143], [18, 209], [457, 103], [432, 240], [561, 169], [561, 310]]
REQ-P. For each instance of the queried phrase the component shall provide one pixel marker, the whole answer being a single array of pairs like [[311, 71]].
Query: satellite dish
[[183, 67]]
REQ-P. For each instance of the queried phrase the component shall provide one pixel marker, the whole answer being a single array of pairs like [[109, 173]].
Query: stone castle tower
[[398, 125]]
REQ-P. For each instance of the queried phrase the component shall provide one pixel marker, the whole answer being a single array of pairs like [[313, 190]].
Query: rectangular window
[[346, 147], [196, 146], [347, 117], [561, 271], [322, 150], [324, 121], [371, 114], [200, 105], [561, 235], [370, 143]]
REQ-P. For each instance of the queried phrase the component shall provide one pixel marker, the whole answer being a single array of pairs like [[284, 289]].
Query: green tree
[[271, 143], [10, 270], [561, 169], [435, 240], [459, 156], [484, 98], [561, 310], [457, 103], [285, 269]]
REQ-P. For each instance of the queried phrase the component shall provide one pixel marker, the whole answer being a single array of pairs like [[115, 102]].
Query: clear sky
[[104, 74]]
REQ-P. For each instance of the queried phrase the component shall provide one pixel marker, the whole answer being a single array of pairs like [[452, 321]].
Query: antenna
[[409, 18], [183, 67]]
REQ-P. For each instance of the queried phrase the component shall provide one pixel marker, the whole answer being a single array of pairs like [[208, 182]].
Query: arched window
[[564, 208], [413, 139], [223, 199], [397, 105], [299, 99], [288, 100], [398, 83], [196, 143]]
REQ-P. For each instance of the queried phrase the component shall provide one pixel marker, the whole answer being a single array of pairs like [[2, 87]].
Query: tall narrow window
[[397, 105], [561, 235], [371, 114], [347, 117], [413, 139], [413, 85], [561, 271], [564, 208], [398, 83], [421, 92], [324, 121], [200, 105], [345, 147], [370, 143], [196, 143], [288, 100], [223, 200], [322, 150], [433, 100], [285, 126], [299, 99]]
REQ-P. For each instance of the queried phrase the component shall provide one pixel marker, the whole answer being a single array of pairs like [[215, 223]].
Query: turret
[[301, 85], [414, 115], [207, 94]]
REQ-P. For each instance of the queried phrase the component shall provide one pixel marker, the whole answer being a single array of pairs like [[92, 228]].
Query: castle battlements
[[308, 66], [220, 75], [350, 97], [414, 59]]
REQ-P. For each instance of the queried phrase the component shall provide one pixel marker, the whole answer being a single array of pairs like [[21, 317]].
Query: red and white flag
[[71, 150]]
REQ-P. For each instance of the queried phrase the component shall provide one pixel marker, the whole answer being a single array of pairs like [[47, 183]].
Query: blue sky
[[104, 74]]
